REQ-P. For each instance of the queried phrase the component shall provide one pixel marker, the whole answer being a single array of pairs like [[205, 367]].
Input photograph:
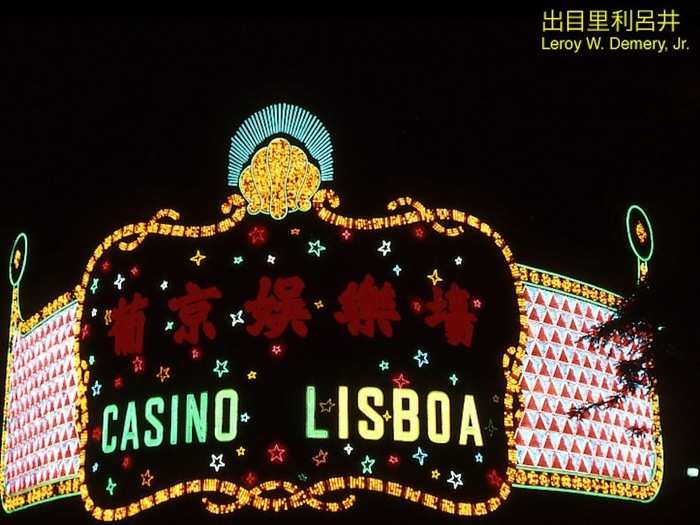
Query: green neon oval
[[14, 281], [647, 226]]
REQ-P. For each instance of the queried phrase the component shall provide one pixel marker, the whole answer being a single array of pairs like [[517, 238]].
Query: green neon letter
[[159, 404], [219, 433], [174, 402], [131, 430], [196, 416], [109, 444], [311, 431]]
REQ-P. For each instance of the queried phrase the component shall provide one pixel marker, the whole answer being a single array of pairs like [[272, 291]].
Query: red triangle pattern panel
[[561, 371], [42, 439]]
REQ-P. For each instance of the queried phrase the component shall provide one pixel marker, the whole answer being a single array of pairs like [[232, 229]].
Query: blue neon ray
[[275, 119]]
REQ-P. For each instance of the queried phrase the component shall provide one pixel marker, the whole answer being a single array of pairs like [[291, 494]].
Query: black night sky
[[106, 121]]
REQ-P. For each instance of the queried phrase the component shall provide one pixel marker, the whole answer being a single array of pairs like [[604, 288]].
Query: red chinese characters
[[365, 304], [452, 310], [193, 309], [275, 311], [128, 321]]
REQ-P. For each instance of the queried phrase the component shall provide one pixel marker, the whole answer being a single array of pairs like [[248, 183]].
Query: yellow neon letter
[[363, 395], [470, 423], [409, 415], [342, 412], [441, 398]]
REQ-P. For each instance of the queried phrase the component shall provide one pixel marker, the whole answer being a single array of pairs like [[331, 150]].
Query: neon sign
[[289, 355]]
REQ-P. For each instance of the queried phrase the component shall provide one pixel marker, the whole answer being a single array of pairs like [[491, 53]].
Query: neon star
[[111, 485], [385, 248], [240, 451], [320, 458], [495, 398], [302, 477], [94, 285], [478, 457], [96, 388], [119, 281], [348, 449], [318, 304], [316, 248], [277, 453], [252, 375], [346, 234], [384, 365], [164, 285], [197, 258], [146, 478], [435, 473], [277, 349], [386, 415], [257, 235], [420, 456], [434, 277], [217, 462], [95, 466], [421, 358], [237, 318], [453, 379], [221, 368], [491, 428], [271, 259], [295, 231], [400, 381], [137, 364], [455, 479], [245, 417], [237, 259], [393, 460], [91, 360], [367, 465], [169, 325], [396, 269], [93, 312], [327, 406], [163, 374], [458, 261]]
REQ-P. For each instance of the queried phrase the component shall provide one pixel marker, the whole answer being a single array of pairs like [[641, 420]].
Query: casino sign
[[290, 355]]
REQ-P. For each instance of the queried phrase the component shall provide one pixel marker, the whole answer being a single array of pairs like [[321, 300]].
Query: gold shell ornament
[[280, 179]]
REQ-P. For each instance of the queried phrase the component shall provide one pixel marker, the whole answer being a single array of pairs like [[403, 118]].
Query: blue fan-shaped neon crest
[[280, 119]]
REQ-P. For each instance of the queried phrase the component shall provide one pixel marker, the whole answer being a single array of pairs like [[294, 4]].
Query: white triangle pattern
[[42, 439], [561, 371]]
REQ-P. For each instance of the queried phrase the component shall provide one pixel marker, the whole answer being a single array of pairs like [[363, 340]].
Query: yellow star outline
[[326, 406], [198, 257], [318, 304], [240, 451], [252, 375], [434, 277], [435, 474], [386, 415], [146, 478], [163, 373]]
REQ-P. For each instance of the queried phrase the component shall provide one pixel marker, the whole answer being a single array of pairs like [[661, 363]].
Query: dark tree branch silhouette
[[638, 325]]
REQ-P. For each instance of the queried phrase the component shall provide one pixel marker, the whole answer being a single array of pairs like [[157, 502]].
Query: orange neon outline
[[130, 236], [545, 479]]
